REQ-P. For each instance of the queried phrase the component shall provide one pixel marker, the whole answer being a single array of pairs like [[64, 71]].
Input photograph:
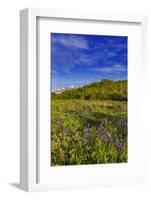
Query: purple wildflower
[[106, 138], [119, 146], [120, 136], [101, 127], [88, 132]]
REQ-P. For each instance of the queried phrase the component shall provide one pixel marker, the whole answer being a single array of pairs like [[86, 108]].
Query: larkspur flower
[[120, 136], [119, 146], [101, 127], [106, 138], [88, 132]]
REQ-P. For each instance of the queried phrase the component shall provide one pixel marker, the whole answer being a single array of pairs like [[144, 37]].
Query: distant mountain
[[105, 89]]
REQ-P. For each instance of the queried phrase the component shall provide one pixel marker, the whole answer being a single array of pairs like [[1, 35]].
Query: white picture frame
[[29, 149]]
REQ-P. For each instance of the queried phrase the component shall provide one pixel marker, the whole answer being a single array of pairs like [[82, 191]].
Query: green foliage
[[88, 132], [106, 89]]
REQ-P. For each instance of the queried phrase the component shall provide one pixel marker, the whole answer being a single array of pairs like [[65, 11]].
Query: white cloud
[[115, 68], [111, 54], [67, 70], [84, 59], [119, 68], [71, 41], [103, 69], [54, 71]]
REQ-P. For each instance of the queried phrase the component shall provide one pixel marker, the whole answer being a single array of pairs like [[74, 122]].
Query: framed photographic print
[[82, 82]]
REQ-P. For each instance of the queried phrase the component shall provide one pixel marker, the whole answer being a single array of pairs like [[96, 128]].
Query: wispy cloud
[[111, 54], [117, 68], [54, 71], [102, 69], [84, 59], [71, 41]]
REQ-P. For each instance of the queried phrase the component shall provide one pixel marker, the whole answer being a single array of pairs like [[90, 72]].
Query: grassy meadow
[[89, 124]]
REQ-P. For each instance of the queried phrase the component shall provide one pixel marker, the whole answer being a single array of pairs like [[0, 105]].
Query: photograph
[[88, 99]]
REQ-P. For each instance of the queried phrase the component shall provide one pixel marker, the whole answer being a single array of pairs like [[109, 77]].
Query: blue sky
[[82, 59]]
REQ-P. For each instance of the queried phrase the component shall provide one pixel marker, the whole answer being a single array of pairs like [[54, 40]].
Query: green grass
[[88, 132]]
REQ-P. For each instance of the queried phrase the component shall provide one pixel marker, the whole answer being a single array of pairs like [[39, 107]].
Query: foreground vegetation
[[85, 131]]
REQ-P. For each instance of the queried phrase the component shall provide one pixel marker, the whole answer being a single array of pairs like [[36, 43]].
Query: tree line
[[103, 90]]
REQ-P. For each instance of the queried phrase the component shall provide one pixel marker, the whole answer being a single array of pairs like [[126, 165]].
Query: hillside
[[103, 90]]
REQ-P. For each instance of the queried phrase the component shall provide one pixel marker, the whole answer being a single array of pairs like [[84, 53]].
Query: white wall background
[[9, 97]]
